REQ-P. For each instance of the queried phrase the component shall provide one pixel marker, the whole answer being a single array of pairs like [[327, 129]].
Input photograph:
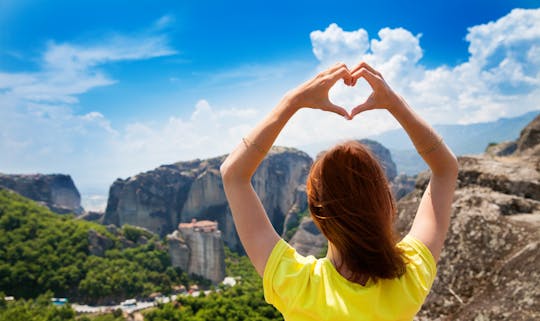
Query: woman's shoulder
[[286, 273], [414, 248], [421, 267]]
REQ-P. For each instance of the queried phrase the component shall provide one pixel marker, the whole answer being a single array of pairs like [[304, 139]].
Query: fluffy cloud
[[334, 44], [208, 132], [501, 77]]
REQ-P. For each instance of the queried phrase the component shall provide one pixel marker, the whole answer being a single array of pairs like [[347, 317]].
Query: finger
[[367, 105], [364, 64], [335, 67], [336, 109], [341, 73], [373, 80]]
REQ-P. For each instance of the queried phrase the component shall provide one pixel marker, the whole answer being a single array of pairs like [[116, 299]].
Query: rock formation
[[98, 244], [56, 191], [383, 155], [159, 199], [501, 149], [309, 240], [92, 216], [527, 144], [197, 248], [154, 199], [489, 268], [403, 185]]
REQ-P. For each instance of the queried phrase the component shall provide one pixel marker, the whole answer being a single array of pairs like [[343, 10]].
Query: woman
[[365, 274]]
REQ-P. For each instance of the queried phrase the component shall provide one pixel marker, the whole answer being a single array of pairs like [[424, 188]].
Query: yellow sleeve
[[286, 275], [421, 267]]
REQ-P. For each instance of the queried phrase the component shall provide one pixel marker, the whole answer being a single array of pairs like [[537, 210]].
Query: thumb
[[367, 105], [329, 106]]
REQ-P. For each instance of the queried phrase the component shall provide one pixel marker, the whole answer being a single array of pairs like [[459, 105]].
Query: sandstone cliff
[[159, 199], [489, 268], [56, 191], [383, 155]]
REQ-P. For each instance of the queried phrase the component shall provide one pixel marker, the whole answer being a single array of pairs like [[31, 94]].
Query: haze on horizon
[[101, 91]]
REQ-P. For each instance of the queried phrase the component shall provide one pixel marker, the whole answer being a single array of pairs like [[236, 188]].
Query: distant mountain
[[463, 139], [56, 191]]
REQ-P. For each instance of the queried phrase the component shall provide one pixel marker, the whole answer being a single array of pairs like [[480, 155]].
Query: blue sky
[[106, 89], [217, 36]]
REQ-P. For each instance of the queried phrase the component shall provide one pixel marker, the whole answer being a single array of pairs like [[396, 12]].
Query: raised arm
[[432, 218], [252, 224]]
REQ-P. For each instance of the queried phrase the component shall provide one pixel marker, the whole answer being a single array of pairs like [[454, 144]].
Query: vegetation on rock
[[42, 251], [245, 301]]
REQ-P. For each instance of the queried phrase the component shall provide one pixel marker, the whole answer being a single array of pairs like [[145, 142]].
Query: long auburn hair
[[350, 200]]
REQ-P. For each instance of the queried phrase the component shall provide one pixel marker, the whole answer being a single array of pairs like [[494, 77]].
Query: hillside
[[43, 251]]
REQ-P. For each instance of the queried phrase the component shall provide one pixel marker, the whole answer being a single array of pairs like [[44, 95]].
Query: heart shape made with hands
[[348, 97]]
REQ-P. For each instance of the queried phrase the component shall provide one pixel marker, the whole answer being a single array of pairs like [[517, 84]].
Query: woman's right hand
[[314, 93], [382, 97]]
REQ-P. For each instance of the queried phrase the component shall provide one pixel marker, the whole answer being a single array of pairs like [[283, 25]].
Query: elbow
[[225, 170], [447, 168], [230, 172], [451, 169]]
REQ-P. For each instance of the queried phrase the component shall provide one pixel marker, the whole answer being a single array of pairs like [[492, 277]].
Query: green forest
[[42, 251], [45, 255]]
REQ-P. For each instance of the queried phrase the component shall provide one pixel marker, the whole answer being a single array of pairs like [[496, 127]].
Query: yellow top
[[306, 288]]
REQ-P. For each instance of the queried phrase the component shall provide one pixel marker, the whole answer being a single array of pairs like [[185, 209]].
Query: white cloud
[[68, 70], [164, 22], [501, 77], [52, 138], [334, 44]]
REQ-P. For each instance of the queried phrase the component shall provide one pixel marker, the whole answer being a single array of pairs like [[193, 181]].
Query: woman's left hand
[[314, 93]]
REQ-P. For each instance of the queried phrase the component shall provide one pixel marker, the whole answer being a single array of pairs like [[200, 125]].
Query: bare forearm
[[246, 157], [430, 146]]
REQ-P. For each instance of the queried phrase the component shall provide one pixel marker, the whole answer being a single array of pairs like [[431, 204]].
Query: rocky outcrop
[[159, 199], [91, 216], [56, 191], [197, 248], [280, 183], [178, 250], [154, 199], [501, 149], [526, 144], [402, 185], [309, 240], [383, 155], [488, 269], [529, 138], [98, 244]]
